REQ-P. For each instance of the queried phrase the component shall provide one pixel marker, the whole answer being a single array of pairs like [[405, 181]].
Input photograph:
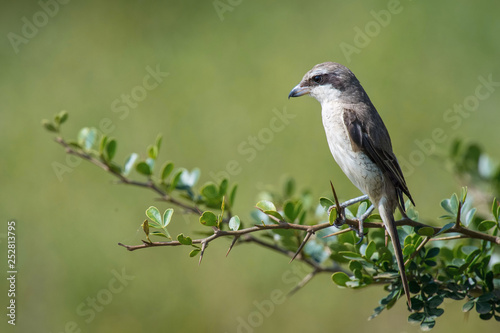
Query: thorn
[[337, 233], [302, 283], [308, 235], [203, 247], [232, 244]]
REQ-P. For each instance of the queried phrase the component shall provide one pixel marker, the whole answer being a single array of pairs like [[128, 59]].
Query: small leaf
[[234, 223], [370, 250], [210, 191], [266, 205], [154, 215], [426, 231], [340, 278], [129, 163], [208, 218], [110, 149], [194, 252], [145, 228], [289, 187], [143, 168], [166, 170], [416, 317], [161, 234], [102, 144], [468, 306], [483, 307], [159, 138], [86, 137], [223, 187], [184, 240], [332, 216], [445, 227], [232, 196], [49, 126], [495, 208], [61, 117], [153, 152], [167, 216], [468, 217], [486, 225], [432, 253], [325, 202], [275, 214]]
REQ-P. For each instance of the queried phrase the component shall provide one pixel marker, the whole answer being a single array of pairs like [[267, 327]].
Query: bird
[[360, 144]]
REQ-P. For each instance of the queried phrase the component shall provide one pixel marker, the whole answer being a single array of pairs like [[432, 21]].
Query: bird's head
[[328, 82]]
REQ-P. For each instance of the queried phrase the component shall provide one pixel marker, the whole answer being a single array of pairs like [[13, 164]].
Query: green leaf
[[223, 187], [370, 250], [340, 278], [416, 317], [351, 255], [325, 202], [145, 228], [289, 210], [427, 324], [49, 126], [194, 252], [153, 152], [495, 208], [166, 170], [445, 227], [208, 218], [234, 223], [154, 215], [266, 205], [86, 138], [159, 139], [468, 217], [143, 168], [483, 307], [275, 214], [409, 249], [161, 234], [468, 306], [232, 196], [61, 117], [486, 225], [102, 144], [289, 187], [184, 240], [433, 252], [361, 209], [332, 216], [110, 149], [426, 231], [167, 216], [210, 191], [129, 163], [176, 178]]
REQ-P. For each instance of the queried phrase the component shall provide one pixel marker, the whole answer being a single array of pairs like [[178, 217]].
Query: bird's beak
[[299, 91]]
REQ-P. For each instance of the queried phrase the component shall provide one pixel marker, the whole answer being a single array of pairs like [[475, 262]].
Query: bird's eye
[[317, 78]]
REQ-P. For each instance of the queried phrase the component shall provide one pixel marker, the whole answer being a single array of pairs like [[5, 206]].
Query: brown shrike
[[359, 143]]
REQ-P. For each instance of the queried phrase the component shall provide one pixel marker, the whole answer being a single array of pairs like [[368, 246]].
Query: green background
[[225, 78]]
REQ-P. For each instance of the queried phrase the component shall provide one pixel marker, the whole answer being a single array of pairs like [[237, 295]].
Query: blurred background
[[230, 65]]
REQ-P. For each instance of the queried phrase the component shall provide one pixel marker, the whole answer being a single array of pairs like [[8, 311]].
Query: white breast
[[358, 167]]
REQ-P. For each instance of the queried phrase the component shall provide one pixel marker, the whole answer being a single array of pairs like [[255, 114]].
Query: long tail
[[390, 226]]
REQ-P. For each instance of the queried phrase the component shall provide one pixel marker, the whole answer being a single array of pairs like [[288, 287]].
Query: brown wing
[[369, 135]]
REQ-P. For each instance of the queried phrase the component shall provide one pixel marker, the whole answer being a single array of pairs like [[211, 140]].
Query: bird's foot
[[360, 231]]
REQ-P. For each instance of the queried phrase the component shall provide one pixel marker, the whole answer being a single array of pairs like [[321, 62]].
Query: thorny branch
[[245, 235]]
